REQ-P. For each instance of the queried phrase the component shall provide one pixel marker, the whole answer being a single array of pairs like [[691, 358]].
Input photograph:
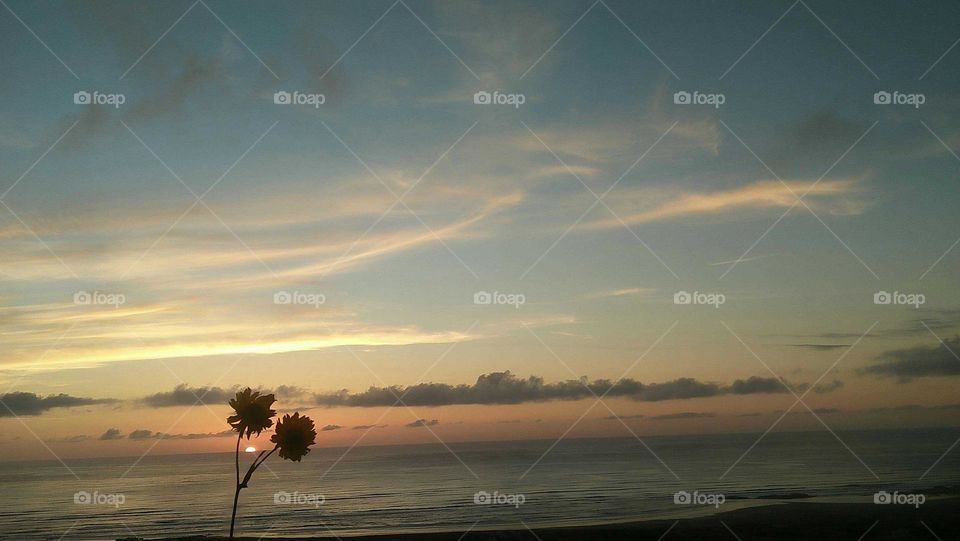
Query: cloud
[[194, 73], [755, 384], [765, 194], [820, 388], [622, 417], [914, 408], [825, 131], [422, 422], [328, 428], [366, 427], [682, 415], [928, 319], [70, 439], [23, 403], [183, 395], [111, 434], [920, 361], [739, 260], [144, 434], [818, 411], [825, 411], [506, 388], [289, 391], [294, 409], [623, 292], [197, 436], [820, 347], [221, 306], [164, 330], [824, 388]]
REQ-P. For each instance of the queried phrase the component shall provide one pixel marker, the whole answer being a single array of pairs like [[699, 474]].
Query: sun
[[251, 449]]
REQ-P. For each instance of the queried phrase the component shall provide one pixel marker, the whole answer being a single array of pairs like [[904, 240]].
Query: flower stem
[[246, 479], [256, 464], [236, 494]]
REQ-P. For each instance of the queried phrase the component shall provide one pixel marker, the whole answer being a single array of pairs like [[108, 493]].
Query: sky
[[407, 263]]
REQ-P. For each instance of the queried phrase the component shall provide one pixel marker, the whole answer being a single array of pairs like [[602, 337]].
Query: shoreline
[[938, 517]]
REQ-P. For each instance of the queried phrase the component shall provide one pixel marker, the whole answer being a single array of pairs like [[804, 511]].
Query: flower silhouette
[[294, 436], [253, 413]]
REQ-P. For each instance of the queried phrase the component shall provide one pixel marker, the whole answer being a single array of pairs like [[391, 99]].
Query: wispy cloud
[[366, 427], [738, 261], [765, 194], [681, 415], [622, 292], [89, 335], [422, 423], [820, 347], [623, 417]]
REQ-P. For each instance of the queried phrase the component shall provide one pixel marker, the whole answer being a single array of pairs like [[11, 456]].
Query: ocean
[[416, 488]]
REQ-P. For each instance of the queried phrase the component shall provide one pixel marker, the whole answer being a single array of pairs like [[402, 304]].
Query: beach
[[936, 519]]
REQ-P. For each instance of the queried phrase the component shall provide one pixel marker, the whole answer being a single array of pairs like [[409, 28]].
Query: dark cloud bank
[[506, 388], [921, 361], [184, 395], [22, 404]]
